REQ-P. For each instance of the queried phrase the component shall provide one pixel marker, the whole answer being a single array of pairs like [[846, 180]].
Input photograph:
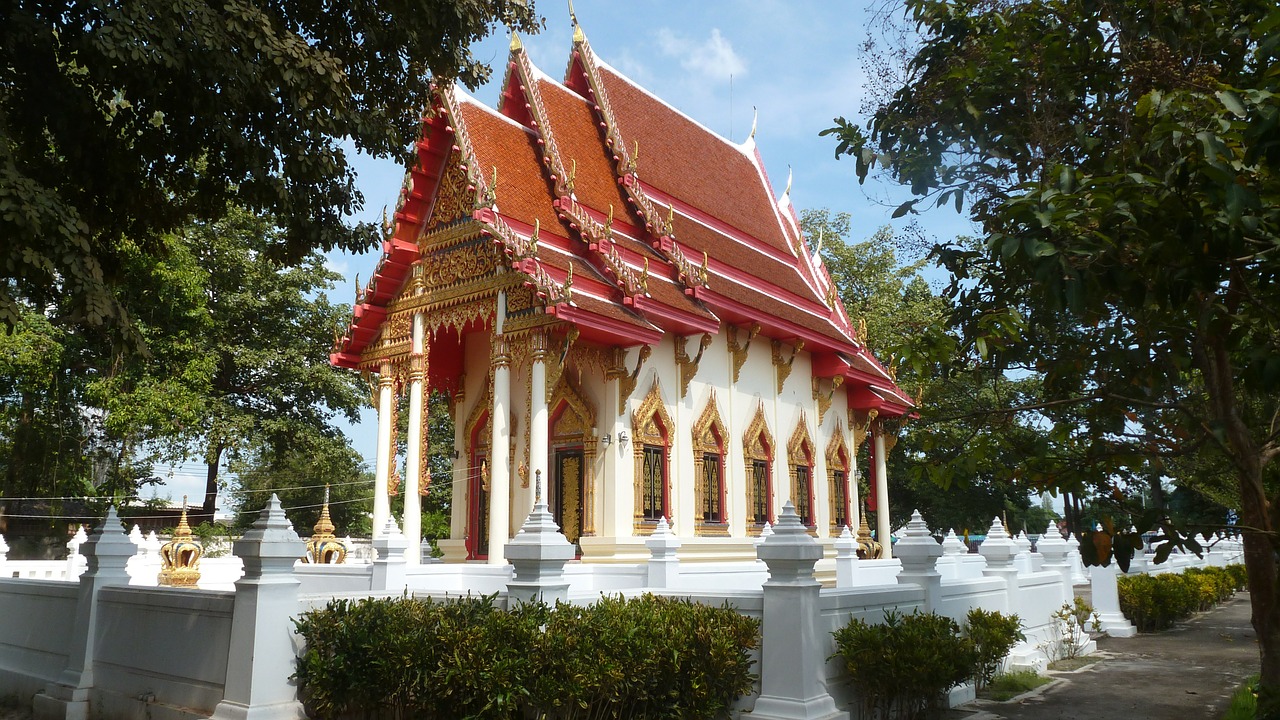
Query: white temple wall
[[40, 617]]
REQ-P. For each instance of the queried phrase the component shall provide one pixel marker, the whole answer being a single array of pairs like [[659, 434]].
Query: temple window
[[757, 446], [800, 463], [650, 430], [708, 460]]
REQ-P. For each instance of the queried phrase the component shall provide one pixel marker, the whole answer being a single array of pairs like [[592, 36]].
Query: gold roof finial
[[324, 548], [180, 557], [515, 41], [578, 35]]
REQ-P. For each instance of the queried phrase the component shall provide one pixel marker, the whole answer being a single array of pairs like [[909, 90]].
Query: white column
[[386, 448], [882, 496], [500, 450], [539, 447], [261, 649], [413, 455]]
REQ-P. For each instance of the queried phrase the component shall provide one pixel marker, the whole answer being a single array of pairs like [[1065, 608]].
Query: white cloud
[[713, 58]]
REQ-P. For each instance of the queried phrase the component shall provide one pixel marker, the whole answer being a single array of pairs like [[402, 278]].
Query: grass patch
[[1069, 664], [1243, 703], [1011, 685]]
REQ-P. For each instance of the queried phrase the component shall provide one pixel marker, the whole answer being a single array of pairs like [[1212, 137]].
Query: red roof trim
[[787, 327], [620, 333]]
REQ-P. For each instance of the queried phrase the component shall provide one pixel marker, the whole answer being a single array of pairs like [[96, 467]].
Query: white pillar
[[261, 653], [500, 451], [107, 552], [883, 534], [386, 450], [1106, 602], [539, 447], [795, 644], [413, 454]]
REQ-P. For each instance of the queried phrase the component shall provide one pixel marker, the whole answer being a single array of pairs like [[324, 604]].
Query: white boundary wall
[[165, 653]]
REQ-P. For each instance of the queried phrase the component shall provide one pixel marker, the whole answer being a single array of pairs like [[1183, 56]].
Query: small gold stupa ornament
[[180, 557], [324, 548], [868, 549]]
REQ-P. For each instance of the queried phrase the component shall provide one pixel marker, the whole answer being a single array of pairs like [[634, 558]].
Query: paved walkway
[[1185, 673]]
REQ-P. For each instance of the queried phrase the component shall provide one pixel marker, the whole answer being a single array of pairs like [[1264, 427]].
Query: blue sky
[[796, 63]]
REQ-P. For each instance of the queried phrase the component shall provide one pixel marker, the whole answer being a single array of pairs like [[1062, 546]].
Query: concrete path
[[1185, 673]]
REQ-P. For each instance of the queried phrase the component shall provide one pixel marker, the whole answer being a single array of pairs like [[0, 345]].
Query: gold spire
[[324, 548], [515, 41], [578, 35], [180, 557], [868, 549]]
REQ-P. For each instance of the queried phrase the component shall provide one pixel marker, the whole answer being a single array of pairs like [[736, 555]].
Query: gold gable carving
[[455, 199], [800, 446], [757, 443], [650, 423]]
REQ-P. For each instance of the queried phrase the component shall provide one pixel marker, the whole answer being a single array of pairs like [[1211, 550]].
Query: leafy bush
[[1070, 623], [649, 657], [901, 668], [993, 635], [1155, 602]]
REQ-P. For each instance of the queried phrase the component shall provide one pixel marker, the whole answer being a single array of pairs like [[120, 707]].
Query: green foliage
[[642, 658], [993, 635], [1244, 701], [152, 114], [214, 539], [1122, 160], [1069, 626], [900, 668], [1156, 602], [1006, 686]]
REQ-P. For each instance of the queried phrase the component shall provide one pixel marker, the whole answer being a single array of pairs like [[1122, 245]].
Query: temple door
[[566, 492]]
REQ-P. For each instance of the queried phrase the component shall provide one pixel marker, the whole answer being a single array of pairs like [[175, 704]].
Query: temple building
[[615, 300]]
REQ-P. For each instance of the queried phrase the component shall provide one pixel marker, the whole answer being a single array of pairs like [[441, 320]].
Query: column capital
[[417, 367], [501, 352], [386, 374]]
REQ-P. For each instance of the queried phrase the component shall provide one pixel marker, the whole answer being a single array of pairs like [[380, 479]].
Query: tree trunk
[[1211, 353], [213, 459]]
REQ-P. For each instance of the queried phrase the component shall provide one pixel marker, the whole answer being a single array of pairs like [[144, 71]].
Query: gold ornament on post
[[324, 548], [180, 557], [868, 549]]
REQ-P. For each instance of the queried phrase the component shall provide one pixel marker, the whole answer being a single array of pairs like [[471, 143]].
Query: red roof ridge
[[688, 274], [599, 237]]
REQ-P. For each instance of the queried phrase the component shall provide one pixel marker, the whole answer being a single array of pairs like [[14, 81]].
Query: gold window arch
[[709, 436], [651, 428], [800, 470], [757, 449], [839, 483], [573, 422]]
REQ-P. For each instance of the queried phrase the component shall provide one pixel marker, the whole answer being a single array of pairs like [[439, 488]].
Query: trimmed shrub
[[647, 657], [901, 668], [1155, 602], [993, 635]]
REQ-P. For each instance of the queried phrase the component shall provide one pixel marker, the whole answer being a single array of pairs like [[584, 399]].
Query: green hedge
[[901, 667], [648, 657], [1155, 602]]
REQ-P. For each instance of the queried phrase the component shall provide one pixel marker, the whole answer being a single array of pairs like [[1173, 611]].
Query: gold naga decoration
[[180, 557], [868, 549], [324, 548]]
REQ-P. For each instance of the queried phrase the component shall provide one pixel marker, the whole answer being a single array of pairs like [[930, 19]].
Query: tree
[[1120, 157], [897, 306], [236, 364], [121, 122]]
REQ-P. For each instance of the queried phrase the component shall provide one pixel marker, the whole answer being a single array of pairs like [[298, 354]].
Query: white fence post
[[107, 552], [919, 553], [389, 565], [794, 652], [999, 550], [1055, 551], [846, 558], [664, 566], [538, 554], [261, 655], [1106, 602]]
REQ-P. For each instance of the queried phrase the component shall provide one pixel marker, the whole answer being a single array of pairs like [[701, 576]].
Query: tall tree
[[898, 306], [125, 121], [1121, 158]]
